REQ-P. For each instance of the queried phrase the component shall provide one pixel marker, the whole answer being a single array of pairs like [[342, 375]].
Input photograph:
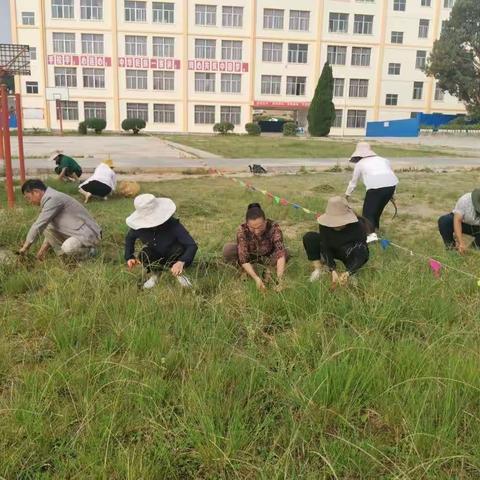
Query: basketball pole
[[2, 155], [7, 147], [21, 155], [60, 115]]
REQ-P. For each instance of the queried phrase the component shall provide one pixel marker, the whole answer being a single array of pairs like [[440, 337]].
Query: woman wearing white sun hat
[[166, 242], [380, 182]]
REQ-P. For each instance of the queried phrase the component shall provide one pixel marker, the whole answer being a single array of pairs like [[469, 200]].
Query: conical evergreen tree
[[321, 113]]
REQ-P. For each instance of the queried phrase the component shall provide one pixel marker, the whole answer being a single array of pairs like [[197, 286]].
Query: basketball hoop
[[14, 59]]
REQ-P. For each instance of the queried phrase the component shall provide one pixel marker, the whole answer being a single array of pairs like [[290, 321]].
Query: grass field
[[244, 146], [100, 380]]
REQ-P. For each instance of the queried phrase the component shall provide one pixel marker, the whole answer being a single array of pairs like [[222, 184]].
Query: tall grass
[[99, 379]]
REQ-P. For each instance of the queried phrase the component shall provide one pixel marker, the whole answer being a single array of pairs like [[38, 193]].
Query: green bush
[[290, 129], [134, 124], [253, 129], [223, 127], [97, 124], [82, 128]]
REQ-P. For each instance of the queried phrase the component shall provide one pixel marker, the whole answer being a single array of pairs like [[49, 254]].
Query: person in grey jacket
[[66, 224]]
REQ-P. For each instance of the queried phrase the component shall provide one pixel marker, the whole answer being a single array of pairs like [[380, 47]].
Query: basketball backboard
[[56, 93], [14, 59]]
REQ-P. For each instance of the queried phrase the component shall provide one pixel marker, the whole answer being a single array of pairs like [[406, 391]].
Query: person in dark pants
[[66, 168], [380, 182], [342, 236], [101, 184], [464, 219], [166, 242]]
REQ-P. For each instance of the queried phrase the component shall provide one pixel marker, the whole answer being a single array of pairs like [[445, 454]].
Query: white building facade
[[183, 65]]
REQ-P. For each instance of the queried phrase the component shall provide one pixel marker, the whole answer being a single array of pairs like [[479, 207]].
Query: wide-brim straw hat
[[363, 150], [55, 154], [150, 211], [337, 213], [109, 162]]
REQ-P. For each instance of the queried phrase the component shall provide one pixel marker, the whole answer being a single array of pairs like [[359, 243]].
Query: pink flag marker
[[436, 267]]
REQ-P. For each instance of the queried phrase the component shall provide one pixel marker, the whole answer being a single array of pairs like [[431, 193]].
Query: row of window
[[401, 5]]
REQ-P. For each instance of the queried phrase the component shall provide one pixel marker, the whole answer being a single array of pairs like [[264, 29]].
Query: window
[[423, 25], [448, 3], [358, 88], [69, 110], [33, 53], [31, 87], [394, 68], [336, 55], [421, 59], [65, 77], [204, 82], [94, 78], [391, 99], [338, 87], [163, 12], [137, 79], [232, 17], [91, 9], [163, 113], [28, 18], [137, 110], [297, 53], [92, 43], [273, 18], [296, 85], [299, 20], [399, 5], [337, 123], [231, 50], [397, 37], [231, 83], [414, 114], [444, 25], [439, 93], [205, 48], [164, 80], [95, 110], [135, 11], [361, 56], [363, 24], [356, 118], [62, 9], [338, 22], [271, 84], [204, 114], [230, 114], [426, 3], [417, 90], [163, 47], [135, 45], [272, 52], [205, 15], [64, 42]]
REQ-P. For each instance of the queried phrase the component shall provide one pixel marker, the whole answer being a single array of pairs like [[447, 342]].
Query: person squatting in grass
[[380, 182], [66, 168], [66, 224], [260, 241], [101, 184], [464, 219], [342, 235], [166, 242]]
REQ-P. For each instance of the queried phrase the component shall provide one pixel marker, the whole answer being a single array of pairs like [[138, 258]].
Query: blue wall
[[394, 128], [435, 119]]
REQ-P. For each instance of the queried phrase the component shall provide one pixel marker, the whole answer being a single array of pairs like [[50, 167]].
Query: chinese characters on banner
[[79, 60], [217, 66]]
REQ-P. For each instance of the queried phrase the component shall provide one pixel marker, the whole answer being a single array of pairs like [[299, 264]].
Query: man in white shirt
[[464, 219], [380, 182]]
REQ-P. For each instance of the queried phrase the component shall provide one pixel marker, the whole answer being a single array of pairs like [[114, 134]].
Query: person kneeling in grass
[[101, 184], [67, 225], [166, 242], [342, 236], [464, 219], [66, 168], [259, 240]]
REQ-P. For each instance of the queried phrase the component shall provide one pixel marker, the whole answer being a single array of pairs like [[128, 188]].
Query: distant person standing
[[380, 182], [66, 168], [101, 184]]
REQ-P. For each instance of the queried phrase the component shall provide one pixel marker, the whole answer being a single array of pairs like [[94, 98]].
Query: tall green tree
[[455, 58], [321, 113]]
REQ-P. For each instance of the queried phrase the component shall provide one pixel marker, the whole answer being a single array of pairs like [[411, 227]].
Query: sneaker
[[316, 274], [373, 237], [184, 281], [151, 282]]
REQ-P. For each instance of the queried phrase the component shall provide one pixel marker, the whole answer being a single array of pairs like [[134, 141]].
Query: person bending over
[[66, 168], [101, 184]]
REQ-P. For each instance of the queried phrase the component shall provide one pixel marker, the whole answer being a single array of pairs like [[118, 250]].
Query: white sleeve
[[357, 171]]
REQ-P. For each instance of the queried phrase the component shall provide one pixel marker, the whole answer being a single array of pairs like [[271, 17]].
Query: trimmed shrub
[[134, 124], [321, 113], [97, 124], [253, 129], [223, 127], [82, 128], [290, 129]]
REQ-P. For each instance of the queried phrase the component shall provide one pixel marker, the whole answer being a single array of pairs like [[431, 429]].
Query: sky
[[4, 21]]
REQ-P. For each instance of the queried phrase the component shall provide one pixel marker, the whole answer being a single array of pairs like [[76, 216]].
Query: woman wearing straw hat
[[166, 242], [342, 236], [66, 168], [380, 182], [101, 184]]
